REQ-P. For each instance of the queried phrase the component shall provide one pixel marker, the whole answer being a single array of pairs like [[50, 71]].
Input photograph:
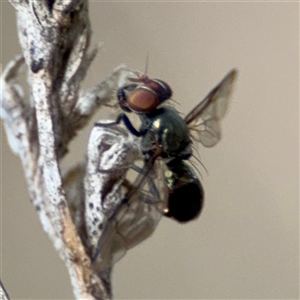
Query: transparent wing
[[203, 120], [136, 220]]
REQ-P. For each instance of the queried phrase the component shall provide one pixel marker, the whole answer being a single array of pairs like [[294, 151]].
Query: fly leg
[[153, 191], [126, 121]]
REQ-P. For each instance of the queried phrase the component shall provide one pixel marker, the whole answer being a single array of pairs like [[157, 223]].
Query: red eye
[[161, 88], [142, 100], [124, 93]]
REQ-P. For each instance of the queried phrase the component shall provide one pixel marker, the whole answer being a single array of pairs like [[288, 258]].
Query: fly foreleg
[[126, 121]]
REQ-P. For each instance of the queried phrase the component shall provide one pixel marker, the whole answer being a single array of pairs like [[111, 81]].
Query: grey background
[[246, 242]]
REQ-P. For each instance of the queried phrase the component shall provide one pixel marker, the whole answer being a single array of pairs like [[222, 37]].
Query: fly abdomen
[[186, 194]]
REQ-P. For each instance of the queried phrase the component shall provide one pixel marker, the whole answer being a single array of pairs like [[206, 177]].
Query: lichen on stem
[[74, 207]]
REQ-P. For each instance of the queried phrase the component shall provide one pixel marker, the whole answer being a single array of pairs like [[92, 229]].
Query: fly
[[165, 134], [166, 141]]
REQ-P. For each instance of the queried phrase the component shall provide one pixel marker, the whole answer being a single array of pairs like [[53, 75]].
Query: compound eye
[[123, 95], [162, 89], [142, 100]]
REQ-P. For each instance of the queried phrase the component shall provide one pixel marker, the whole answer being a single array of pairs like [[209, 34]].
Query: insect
[[166, 142], [165, 134]]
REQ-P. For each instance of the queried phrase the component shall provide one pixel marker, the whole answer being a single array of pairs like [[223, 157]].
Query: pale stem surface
[[55, 39]]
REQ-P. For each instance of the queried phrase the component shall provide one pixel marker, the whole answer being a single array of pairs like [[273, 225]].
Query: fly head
[[144, 95]]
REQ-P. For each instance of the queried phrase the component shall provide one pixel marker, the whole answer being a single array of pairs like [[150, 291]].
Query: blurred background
[[246, 242]]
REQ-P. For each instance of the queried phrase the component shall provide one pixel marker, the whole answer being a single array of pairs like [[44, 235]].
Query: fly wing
[[141, 214], [203, 120], [135, 220]]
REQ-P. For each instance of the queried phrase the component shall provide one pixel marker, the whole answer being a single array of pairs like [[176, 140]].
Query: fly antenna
[[147, 63]]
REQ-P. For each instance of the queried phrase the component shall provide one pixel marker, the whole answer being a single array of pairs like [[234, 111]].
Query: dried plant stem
[[55, 38]]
